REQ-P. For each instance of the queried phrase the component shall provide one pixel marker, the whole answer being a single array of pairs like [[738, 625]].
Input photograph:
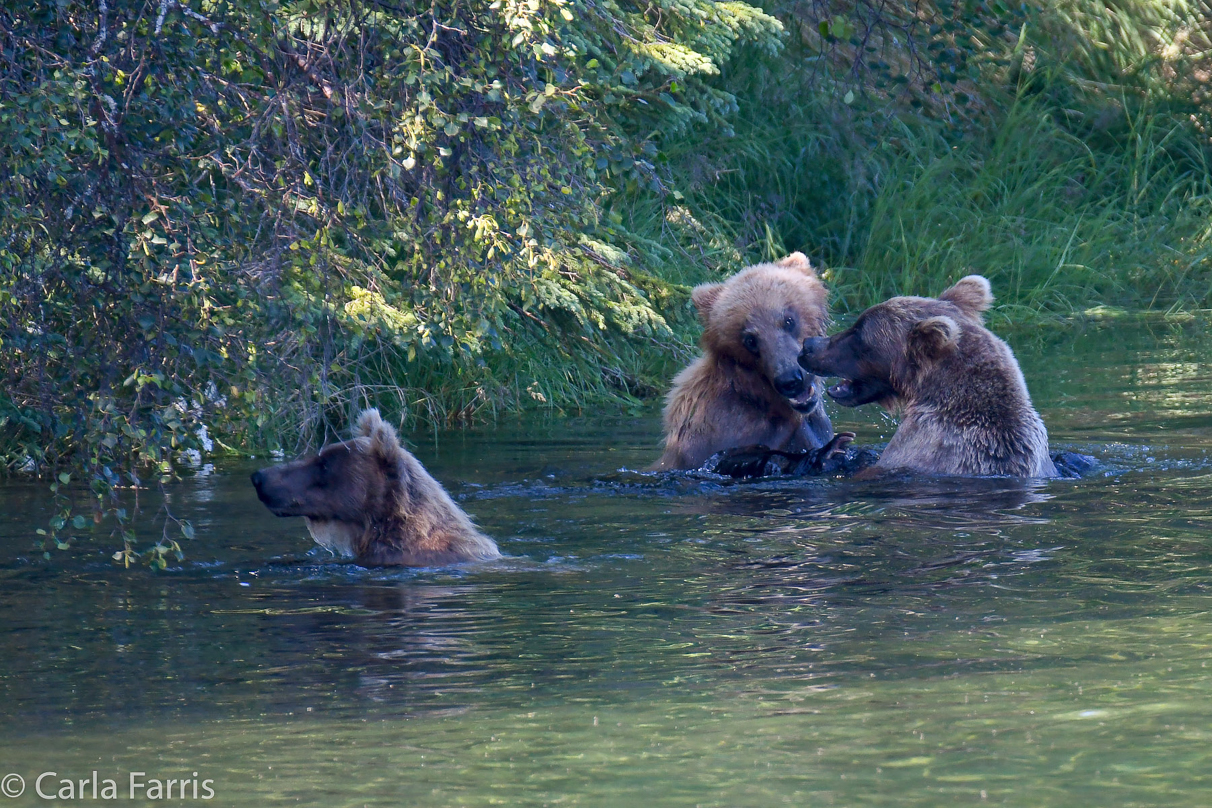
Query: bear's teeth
[[804, 404], [840, 389]]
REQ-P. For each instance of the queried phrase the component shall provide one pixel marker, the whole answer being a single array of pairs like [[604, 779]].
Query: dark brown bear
[[369, 498], [748, 388], [965, 406]]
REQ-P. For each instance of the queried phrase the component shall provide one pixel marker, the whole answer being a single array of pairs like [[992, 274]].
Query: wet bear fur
[[369, 498], [964, 404], [748, 388]]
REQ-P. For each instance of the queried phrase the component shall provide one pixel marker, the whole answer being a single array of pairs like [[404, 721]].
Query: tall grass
[[1099, 200], [1055, 223]]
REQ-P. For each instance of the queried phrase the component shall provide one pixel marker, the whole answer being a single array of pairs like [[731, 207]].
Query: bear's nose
[[812, 347], [258, 479], [790, 384]]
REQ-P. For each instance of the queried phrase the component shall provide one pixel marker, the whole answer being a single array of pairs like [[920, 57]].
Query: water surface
[[668, 639]]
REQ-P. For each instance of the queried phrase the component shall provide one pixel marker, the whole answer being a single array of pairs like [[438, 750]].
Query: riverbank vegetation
[[229, 224]]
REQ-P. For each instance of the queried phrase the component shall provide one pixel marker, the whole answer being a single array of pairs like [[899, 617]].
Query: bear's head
[[894, 342], [351, 482], [760, 318]]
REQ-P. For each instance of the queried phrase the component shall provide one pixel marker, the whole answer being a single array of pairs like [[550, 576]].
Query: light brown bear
[[965, 407], [369, 498], [747, 388]]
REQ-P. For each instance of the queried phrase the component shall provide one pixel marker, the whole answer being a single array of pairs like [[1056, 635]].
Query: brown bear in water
[[747, 388], [370, 499], [966, 410]]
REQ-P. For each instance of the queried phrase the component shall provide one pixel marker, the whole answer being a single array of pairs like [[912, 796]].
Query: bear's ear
[[383, 441], [704, 296], [797, 260], [932, 338], [972, 294], [368, 420]]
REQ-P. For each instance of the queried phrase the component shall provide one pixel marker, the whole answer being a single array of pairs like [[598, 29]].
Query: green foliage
[[1067, 192], [227, 219], [1056, 225]]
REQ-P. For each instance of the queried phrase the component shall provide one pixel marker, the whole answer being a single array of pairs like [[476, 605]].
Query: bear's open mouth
[[848, 393], [857, 392], [806, 404], [843, 389]]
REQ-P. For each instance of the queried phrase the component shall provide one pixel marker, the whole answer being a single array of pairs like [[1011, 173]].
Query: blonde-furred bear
[[370, 499], [748, 388]]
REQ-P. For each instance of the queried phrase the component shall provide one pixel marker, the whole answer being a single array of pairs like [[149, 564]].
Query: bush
[[226, 220]]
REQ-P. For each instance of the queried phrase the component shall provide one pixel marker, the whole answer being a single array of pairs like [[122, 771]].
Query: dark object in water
[[836, 459], [1072, 464], [832, 459]]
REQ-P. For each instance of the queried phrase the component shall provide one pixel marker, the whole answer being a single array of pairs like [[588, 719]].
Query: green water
[[667, 640]]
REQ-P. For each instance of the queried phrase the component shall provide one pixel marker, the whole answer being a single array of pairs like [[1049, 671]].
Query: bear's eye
[[750, 342], [789, 324]]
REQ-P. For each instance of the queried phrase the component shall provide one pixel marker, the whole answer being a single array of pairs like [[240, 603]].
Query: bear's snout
[[271, 495], [813, 348], [790, 384], [260, 481]]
